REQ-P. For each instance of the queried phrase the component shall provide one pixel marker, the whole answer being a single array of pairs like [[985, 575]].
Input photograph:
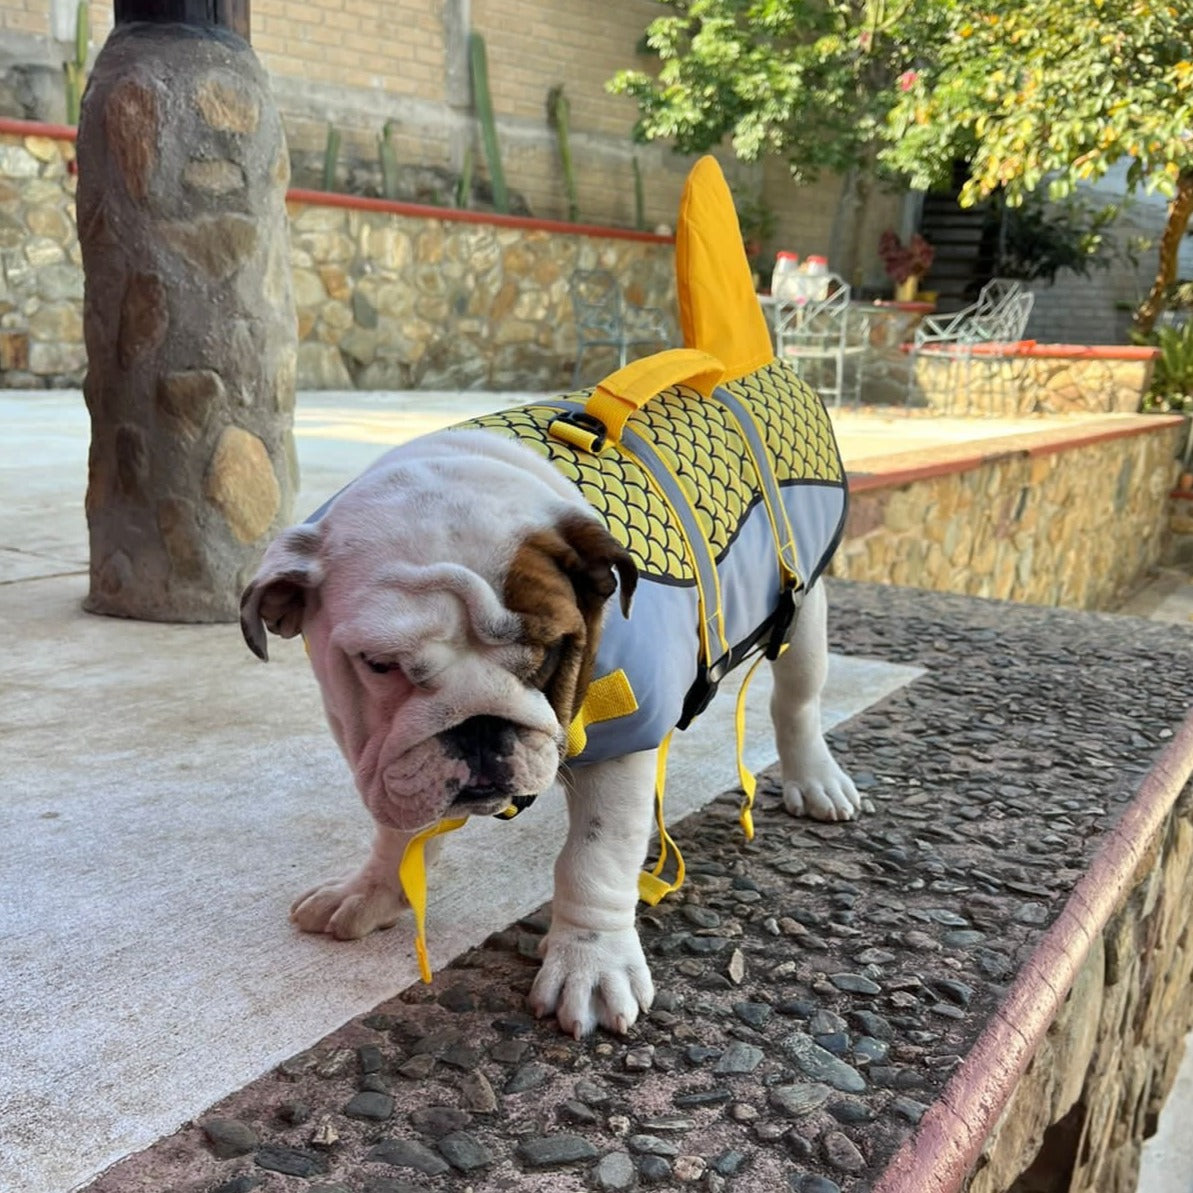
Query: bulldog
[[463, 599]]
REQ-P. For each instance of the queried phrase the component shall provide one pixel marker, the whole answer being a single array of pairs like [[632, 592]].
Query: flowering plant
[[902, 261]]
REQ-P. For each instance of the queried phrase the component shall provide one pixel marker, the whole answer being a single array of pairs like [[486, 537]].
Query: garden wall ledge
[[987, 975], [1026, 377], [1073, 514], [388, 295]]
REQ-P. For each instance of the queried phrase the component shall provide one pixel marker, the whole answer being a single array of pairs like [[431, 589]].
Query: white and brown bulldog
[[454, 600]]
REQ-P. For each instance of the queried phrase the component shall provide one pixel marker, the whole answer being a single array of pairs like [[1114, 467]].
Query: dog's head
[[451, 653]]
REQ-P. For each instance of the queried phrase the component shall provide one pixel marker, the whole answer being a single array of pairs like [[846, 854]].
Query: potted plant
[[905, 264], [757, 222]]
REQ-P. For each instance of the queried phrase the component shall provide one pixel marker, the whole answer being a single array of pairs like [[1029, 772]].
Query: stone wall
[[1093, 1092], [41, 271], [1036, 379], [390, 301], [1075, 526], [385, 299], [360, 64], [1179, 549]]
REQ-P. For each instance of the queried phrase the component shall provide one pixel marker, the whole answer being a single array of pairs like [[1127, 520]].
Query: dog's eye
[[376, 666], [551, 660]]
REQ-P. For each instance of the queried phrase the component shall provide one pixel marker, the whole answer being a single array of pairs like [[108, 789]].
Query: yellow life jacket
[[716, 468]]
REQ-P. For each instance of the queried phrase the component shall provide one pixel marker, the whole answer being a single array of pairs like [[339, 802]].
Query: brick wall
[[1084, 310], [360, 63]]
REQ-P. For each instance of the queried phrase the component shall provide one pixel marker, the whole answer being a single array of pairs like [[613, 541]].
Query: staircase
[[966, 244]]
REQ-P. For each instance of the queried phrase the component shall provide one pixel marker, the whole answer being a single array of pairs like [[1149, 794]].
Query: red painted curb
[[1033, 350], [945, 1146], [35, 128], [895, 478], [463, 216]]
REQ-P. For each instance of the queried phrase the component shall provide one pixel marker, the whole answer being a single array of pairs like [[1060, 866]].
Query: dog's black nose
[[485, 745]]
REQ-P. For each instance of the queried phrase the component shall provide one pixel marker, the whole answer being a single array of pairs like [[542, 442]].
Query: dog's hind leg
[[813, 784]]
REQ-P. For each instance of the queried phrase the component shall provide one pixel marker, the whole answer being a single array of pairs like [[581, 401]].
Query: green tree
[[1053, 93], [808, 80]]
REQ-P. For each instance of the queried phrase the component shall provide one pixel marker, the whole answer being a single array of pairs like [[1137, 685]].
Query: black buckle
[[586, 422], [790, 600], [518, 804], [700, 694]]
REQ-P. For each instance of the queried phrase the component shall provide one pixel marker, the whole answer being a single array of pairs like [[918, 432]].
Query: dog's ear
[[559, 581], [276, 599], [597, 556]]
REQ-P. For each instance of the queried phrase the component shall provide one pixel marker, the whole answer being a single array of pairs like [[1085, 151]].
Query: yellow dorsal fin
[[718, 309]]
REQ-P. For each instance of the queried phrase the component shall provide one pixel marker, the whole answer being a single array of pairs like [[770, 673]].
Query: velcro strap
[[607, 698]]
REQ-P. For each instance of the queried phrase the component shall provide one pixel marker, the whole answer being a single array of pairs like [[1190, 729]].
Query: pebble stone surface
[[816, 987]]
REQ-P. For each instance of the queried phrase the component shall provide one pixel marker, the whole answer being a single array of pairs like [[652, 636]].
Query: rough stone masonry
[[188, 321]]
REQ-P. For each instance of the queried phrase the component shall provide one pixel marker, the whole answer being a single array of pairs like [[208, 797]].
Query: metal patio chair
[[605, 320], [814, 335], [970, 337]]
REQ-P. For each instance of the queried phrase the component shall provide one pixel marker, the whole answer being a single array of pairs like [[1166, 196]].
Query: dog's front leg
[[593, 968], [372, 898]]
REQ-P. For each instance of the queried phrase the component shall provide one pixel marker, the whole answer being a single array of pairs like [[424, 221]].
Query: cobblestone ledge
[[821, 987]]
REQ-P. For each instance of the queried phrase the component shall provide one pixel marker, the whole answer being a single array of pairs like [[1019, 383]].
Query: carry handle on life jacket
[[622, 393]]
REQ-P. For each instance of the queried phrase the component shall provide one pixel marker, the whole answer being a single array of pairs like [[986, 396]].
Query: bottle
[[783, 280], [817, 271]]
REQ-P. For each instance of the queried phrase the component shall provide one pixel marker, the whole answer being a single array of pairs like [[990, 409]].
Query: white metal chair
[[814, 334], [970, 336], [605, 320]]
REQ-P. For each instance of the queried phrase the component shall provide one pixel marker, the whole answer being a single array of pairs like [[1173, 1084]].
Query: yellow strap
[[622, 393], [712, 613], [412, 873], [745, 777], [652, 886], [607, 698]]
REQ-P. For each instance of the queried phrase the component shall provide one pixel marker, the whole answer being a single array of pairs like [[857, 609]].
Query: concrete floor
[[164, 795]]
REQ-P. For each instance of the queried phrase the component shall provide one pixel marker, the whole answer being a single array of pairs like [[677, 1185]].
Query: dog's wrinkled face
[[451, 655]]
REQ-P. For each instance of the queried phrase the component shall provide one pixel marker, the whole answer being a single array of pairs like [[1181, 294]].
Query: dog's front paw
[[350, 908], [592, 977], [819, 788]]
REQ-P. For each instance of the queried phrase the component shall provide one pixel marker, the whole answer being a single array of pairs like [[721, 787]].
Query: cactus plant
[[389, 162], [76, 77], [558, 111], [464, 182], [483, 102], [331, 153], [639, 198]]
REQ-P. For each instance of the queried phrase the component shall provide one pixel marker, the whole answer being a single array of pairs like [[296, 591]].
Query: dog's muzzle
[[486, 745]]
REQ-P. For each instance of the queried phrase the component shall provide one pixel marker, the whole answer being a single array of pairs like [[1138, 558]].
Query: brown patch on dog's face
[[558, 583]]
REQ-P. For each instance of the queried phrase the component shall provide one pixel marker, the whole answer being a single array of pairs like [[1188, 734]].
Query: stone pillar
[[188, 320]]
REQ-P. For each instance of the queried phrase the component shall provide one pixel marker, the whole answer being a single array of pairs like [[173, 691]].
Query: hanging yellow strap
[[621, 394], [652, 886], [629, 389], [412, 874], [745, 777]]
